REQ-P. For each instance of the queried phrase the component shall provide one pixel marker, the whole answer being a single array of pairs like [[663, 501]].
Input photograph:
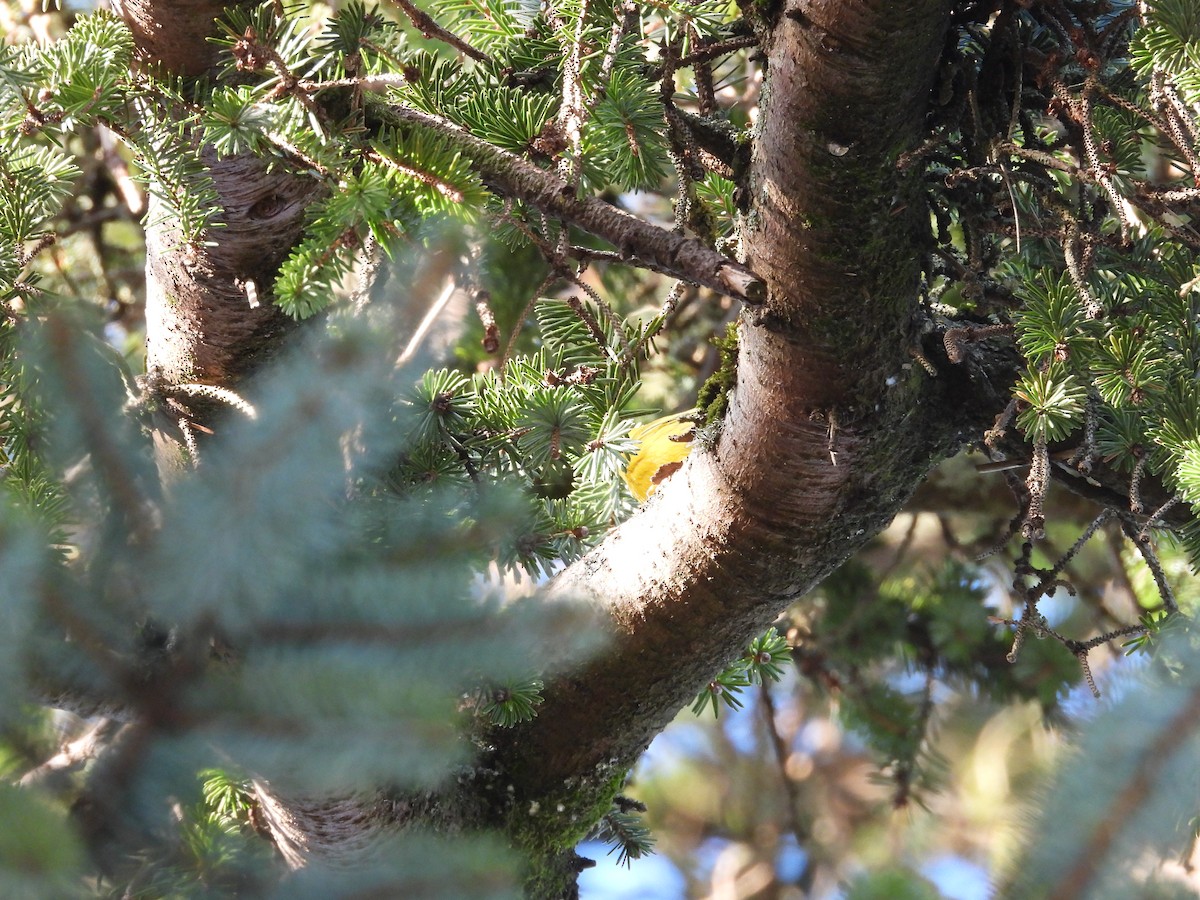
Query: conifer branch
[[622, 26], [639, 242], [1146, 549], [425, 24], [761, 516]]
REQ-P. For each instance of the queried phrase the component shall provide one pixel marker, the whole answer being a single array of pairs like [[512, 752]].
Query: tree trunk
[[210, 318], [831, 426]]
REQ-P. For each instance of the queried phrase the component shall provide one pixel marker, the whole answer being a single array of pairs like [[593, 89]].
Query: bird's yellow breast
[[665, 443]]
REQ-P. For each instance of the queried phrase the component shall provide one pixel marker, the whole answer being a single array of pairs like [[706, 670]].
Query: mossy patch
[[713, 397], [546, 831]]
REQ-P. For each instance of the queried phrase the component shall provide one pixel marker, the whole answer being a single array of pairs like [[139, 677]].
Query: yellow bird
[[665, 443]]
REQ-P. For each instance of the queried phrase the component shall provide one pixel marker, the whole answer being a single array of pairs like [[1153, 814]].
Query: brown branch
[[836, 231], [707, 52], [487, 318], [200, 324], [780, 749], [425, 24], [640, 242]]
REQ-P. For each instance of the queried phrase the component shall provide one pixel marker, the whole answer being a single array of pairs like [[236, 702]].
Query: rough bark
[[209, 315], [174, 38]]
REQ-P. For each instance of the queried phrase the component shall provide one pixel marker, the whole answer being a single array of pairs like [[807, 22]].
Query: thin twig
[[1157, 515], [431, 315], [370, 258], [1038, 483], [487, 318], [621, 27], [1092, 528], [717, 48], [1146, 549], [516, 332], [780, 748], [609, 313], [425, 24], [572, 112]]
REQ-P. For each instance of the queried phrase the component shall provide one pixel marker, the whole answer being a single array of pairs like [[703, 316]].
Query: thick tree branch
[[54, 773], [829, 431], [830, 428]]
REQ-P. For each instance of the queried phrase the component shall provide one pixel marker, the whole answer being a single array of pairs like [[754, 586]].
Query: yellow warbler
[[665, 443]]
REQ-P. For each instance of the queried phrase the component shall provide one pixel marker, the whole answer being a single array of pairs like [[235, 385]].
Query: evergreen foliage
[[316, 571], [759, 664]]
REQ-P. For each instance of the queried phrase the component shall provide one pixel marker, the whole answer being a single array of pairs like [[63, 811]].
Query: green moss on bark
[[547, 830], [713, 396]]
